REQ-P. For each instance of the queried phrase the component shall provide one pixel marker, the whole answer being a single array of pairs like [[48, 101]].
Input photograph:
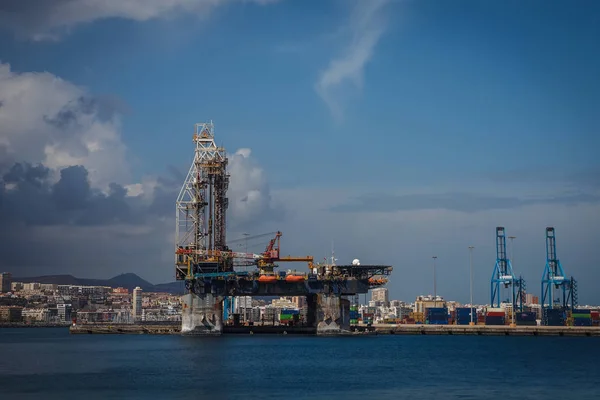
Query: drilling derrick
[[206, 264], [201, 209]]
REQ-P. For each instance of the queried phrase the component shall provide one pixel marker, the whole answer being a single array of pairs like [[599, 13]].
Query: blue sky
[[485, 103]]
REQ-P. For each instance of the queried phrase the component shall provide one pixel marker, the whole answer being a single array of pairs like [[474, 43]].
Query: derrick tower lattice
[[201, 207]]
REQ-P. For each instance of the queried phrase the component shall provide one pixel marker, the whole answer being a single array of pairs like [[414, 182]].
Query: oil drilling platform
[[208, 266]]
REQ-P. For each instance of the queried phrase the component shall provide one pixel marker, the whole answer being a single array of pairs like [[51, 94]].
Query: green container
[[588, 316], [353, 322], [286, 317]]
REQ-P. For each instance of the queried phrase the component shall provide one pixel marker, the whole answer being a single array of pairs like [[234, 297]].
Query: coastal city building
[[5, 282], [137, 303], [380, 295]]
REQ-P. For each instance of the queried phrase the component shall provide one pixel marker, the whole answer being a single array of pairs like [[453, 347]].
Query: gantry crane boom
[[554, 277]]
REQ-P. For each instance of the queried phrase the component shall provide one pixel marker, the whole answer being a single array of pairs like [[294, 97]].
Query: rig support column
[[202, 314], [332, 315]]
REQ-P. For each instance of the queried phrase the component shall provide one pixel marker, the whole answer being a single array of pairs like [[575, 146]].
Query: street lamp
[[434, 284], [471, 273], [512, 263], [245, 242]]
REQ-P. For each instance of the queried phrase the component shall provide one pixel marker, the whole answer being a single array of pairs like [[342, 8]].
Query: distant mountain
[[128, 280]]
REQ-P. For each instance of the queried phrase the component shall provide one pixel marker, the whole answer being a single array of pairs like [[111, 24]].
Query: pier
[[485, 330], [476, 330]]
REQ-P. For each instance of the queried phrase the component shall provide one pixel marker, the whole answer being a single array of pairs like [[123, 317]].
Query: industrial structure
[[207, 264], [503, 276], [554, 279]]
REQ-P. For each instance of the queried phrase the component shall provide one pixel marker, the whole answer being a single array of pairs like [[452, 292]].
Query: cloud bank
[[66, 189], [51, 19], [365, 27]]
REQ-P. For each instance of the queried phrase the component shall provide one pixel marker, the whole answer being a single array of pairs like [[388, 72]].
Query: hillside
[[127, 280]]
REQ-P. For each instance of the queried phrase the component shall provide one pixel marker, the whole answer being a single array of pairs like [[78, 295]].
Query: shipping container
[[527, 323], [582, 322], [495, 320], [431, 311], [586, 316], [437, 322], [495, 314], [465, 311], [525, 316], [437, 312], [582, 311]]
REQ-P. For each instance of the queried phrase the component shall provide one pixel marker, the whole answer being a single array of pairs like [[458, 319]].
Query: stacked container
[[582, 318], [463, 315], [287, 315], [526, 318], [595, 316], [437, 316], [353, 315], [553, 317], [495, 316]]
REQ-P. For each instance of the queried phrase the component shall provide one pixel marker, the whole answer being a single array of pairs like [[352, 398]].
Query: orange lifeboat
[[375, 281], [267, 278], [294, 278]]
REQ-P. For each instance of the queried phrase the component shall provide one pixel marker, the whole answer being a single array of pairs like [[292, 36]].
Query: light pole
[[246, 242], [471, 273], [511, 261], [434, 284]]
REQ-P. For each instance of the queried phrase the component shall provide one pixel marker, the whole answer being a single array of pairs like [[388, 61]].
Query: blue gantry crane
[[503, 275], [554, 279]]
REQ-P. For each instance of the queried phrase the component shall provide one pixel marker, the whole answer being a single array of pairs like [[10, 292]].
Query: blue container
[[554, 312], [525, 316], [465, 321], [527, 323], [582, 322], [554, 321], [437, 316], [437, 310], [491, 320], [437, 322], [465, 311], [290, 311]]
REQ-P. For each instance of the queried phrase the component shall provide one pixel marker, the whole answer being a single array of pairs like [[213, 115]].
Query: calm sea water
[[51, 364]]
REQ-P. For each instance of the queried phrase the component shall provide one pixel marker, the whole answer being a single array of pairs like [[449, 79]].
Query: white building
[[137, 303], [380, 295]]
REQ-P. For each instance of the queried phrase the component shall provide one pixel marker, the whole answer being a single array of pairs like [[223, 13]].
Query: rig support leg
[[202, 314], [333, 315]]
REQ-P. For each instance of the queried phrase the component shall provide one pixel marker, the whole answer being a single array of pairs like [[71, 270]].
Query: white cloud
[[366, 25], [49, 120], [48, 20], [249, 193]]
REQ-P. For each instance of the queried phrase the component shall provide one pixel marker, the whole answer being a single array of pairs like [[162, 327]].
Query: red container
[[496, 313], [595, 315]]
